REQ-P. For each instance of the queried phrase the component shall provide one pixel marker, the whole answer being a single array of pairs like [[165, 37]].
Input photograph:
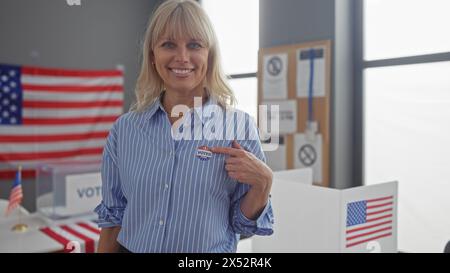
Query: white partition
[[310, 218]]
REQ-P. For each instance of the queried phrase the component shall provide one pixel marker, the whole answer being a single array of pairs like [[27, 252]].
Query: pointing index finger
[[226, 150]]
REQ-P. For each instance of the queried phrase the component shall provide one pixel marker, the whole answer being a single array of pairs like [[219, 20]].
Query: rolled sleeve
[[111, 209], [261, 226], [109, 217]]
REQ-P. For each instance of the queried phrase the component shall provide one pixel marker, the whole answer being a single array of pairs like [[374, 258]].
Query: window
[[402, 28], [236, 23], [247, 94], [407, 114]]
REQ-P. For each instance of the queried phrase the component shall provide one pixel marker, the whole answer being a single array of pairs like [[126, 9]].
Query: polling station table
[[43, 236]]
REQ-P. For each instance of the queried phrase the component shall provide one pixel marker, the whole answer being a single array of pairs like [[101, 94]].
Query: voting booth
[[311, 218], [66, 190]]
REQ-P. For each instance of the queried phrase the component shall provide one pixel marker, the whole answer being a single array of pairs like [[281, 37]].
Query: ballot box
[[311, 218], [68, 189]]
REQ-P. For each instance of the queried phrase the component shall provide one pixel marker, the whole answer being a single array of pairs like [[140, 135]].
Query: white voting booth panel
[[310, 218]]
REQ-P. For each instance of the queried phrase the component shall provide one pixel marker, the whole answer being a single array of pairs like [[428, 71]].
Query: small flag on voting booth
[[369, 220]]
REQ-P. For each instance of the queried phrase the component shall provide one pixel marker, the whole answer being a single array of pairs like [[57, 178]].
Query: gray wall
[[99, 34], [296, 21]]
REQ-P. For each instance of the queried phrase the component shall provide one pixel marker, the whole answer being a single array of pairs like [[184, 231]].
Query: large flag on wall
[[55, 115]]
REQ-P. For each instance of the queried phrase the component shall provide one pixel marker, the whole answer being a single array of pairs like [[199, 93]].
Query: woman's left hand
[[246, 168]]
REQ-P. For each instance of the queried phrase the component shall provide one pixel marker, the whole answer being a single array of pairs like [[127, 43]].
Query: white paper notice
[[309, 154], [276, 159], [286, 117], [304, 60], [83, 192], [275, 76]]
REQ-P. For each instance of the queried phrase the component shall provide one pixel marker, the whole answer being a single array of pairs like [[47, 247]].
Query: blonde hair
[[178, 18]]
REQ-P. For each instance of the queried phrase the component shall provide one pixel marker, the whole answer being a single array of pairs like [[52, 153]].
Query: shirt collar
[[153, 108], [204, 113]]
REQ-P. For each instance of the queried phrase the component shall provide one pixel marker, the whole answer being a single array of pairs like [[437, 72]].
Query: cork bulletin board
[[295, 66]]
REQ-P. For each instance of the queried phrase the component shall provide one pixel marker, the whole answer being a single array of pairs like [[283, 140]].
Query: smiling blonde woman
[[162, 194]]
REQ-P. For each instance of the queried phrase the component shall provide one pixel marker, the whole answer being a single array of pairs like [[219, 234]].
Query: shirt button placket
[[166, 186]]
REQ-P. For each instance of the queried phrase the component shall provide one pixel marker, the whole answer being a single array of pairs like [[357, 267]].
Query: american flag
[[85, 233], [16, 195], [55, 114], [369, 220]]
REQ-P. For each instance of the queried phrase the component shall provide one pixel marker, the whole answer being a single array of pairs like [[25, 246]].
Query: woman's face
[[181, 63]]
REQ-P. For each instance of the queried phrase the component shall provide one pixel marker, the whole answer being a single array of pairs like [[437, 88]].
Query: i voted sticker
[[203, 153]]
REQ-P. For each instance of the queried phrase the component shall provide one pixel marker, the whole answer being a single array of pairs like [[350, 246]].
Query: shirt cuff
[[109, 217], [261, 226]]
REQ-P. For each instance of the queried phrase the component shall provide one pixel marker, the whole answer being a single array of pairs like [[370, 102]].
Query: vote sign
[[83, 192]]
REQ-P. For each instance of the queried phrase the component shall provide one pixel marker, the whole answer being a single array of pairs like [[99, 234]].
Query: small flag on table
[[16, 194]]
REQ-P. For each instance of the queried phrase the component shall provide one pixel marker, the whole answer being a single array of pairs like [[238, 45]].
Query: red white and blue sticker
[[203, 153]]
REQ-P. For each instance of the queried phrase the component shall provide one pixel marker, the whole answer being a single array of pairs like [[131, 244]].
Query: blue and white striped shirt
[[164, 197]]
